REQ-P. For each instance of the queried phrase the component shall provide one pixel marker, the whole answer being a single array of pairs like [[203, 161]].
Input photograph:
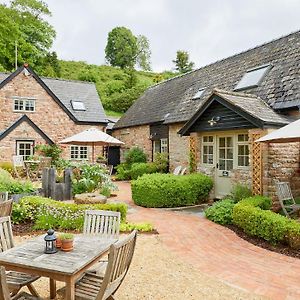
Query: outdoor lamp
[[50, 239]]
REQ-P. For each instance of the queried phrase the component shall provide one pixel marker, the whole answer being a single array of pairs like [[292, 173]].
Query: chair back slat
[[119, 260], [3, 196], [6, 235], [102, 223], [284, 192], [18, 161], [5, 208], [177, 170], [4, 290]]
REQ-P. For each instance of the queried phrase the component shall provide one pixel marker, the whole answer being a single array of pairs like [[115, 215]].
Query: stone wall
[[178, 147], [48, 116], [135, 136]]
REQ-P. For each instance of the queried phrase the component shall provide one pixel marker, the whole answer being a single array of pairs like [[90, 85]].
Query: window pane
[[229, 141], [222, 153], [222, 142], [211, 149], [221, 164], [229, 165], [205, 159], [230, 153]]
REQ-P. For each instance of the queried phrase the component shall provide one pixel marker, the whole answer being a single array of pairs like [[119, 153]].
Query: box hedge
[[221, 212], [168, 190], [254, 217]]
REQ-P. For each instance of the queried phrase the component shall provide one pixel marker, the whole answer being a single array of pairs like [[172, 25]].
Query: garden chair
[[15, 280], [4, 289], [286, 198], [5, 208], [18, 164], [3, 196], [45, 162], [177, 170], [94, 287], [110, 169], [183, 171], [102, 223]]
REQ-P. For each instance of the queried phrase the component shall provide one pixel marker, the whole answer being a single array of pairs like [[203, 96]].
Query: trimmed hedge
[[221, 212], [47, 213], [139, 169], [168, 190], [255, 218]]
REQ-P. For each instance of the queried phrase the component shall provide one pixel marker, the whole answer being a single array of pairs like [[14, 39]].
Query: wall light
[[214, 120]]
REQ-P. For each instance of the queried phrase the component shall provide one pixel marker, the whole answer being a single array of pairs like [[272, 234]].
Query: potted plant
[[67, 242], [59, 240]]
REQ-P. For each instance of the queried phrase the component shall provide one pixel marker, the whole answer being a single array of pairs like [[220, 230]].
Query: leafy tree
[[50, 66], [144, 53], [121, 49], [182, 62]]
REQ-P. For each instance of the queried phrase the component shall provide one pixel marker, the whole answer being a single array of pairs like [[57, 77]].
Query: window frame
[[78, 151], [208, 144], [198, 94], [242, 143], [24, 99], [78, 109], [164, 144], [25, 142]]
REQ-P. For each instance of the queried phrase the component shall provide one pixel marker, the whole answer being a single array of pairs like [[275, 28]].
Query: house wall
[[48, 116]]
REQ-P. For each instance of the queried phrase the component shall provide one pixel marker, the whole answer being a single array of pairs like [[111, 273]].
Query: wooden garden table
[[61, 266]]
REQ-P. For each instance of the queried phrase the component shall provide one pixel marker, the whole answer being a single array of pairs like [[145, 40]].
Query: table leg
[[52, 288], [70, 289]]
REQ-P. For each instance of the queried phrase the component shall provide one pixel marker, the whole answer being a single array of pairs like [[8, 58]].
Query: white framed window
[[22, 104], [243, 150], [25, 149], [77, 105], [164, 145], [79, 152], [208, 150]]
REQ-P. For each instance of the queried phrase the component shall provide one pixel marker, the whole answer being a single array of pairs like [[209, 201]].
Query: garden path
[[220, 253]]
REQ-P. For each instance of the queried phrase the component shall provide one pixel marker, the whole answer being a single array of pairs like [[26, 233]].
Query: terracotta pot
[[67, 245], [58, 243]]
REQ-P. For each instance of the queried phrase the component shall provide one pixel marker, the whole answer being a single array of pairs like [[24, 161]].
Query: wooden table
[[28, 165], [61, 266]]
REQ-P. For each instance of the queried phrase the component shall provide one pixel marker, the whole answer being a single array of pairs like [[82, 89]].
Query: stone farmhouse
[[37, 110], [209, 119]]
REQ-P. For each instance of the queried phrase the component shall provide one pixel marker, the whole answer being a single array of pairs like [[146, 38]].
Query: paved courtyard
[[219, 253]]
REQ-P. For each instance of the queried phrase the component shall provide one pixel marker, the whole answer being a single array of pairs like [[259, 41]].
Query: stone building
[[36, 110], [209, 119]]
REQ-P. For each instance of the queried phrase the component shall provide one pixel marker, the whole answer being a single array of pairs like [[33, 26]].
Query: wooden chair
[[18, 163], [15, 280], [3, 196], [5, 208], [45, 162], [94, 287], [177, 170], [4, 289], [103, 223], [286, 198]]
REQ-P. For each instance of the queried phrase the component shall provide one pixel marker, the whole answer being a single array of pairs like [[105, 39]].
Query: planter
[[67, 245], [58, 243]]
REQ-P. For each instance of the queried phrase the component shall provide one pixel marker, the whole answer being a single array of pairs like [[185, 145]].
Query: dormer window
[[198, 94], [252, 78], [78, 105], [22, 104]]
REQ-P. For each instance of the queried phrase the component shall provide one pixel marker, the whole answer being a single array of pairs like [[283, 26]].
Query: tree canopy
[[182, 62]]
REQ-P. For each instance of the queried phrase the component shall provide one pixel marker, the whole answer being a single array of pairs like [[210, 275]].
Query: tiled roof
[[171, 101], [67, 90]]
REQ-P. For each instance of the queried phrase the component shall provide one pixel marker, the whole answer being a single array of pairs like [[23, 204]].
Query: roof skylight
[[78, 105], [252, 78], [199, 93]]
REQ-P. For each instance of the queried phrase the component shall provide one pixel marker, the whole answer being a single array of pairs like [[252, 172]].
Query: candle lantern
[[50, 240]]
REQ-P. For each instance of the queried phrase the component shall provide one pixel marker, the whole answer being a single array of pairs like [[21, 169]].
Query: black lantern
[[50, 239]]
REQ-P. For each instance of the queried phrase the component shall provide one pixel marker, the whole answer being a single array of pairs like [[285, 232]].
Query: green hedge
[[221, 212], [168, 190], [139, 169], [47, 213], [255, 218]]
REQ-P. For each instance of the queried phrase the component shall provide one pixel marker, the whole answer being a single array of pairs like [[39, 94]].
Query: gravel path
[[157, 274]]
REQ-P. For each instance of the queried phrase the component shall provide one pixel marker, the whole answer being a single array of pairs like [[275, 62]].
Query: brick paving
[[220, 253]]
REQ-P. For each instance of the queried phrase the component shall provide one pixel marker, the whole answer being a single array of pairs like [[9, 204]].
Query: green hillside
[[117, 88]]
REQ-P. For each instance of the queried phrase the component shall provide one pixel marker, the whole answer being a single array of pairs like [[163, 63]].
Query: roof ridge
[[233, 93], [228, 57], [68, 80]]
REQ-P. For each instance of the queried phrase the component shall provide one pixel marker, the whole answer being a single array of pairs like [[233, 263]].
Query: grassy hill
[[117, 88]]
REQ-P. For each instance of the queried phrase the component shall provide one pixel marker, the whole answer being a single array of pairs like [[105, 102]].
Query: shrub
[[161, 162], [221, 212], [54, 151], [239, 192], [142, 227], [139, 169], [47, 213], [7, 166], [123, 172], [168, 190], [255, 218], [135, 155]]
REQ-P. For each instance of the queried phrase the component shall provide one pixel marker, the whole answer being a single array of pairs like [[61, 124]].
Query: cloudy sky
[[208, 30]]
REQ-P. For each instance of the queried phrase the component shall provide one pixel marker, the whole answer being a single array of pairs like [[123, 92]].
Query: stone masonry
[[48, 116]]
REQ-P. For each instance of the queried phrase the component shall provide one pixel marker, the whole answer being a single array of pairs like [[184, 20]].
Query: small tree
[[182, 62], [144, 53]]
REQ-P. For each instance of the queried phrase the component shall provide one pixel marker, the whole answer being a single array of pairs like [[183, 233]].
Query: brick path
[[220, 253]]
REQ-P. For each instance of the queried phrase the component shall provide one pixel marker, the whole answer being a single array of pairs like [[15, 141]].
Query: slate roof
[[67, 90], [171, 101]]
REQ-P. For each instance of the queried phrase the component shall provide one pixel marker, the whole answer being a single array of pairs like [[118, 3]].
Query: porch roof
[[250, 107]]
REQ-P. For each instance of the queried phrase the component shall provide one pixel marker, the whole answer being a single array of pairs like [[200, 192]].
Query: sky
[[208, 30]]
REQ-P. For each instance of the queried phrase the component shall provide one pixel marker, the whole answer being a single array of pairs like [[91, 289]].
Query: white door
[[224, 165]]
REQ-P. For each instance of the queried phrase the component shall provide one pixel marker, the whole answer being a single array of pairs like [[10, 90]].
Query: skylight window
[[199, 93], [78, 105], [252, 78]]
